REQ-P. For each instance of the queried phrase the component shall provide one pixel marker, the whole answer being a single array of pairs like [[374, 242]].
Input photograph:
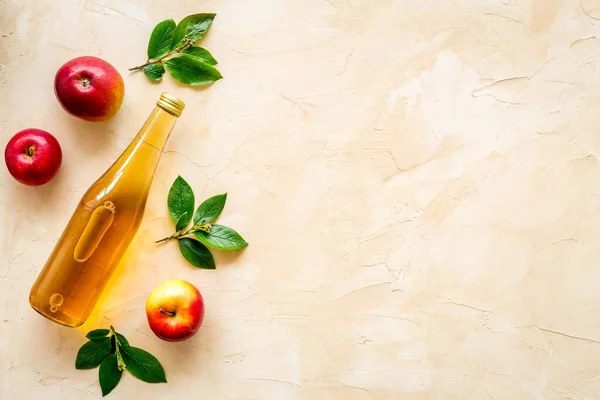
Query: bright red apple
[[33, 156], [175, 310], [89, 88]]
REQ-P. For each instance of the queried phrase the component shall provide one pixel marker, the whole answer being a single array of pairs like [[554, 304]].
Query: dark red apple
[[89, 88], [175, 310], [33, 156]]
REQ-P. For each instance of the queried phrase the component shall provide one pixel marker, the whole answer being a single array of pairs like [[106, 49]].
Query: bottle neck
[[132, 173], [157, 128]]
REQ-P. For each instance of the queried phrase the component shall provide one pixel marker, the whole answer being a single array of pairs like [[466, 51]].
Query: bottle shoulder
[[116, 187]]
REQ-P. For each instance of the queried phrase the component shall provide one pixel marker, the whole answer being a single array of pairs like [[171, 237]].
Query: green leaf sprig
[[111, 351], [205, 234], [171, 48]]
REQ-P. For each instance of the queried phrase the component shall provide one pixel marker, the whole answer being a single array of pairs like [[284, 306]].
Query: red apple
[[175, 310], [33, 156], [89, 88]]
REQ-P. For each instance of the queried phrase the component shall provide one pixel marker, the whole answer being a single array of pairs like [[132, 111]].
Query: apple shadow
[[37, 198], [197, 350], [94, 135]]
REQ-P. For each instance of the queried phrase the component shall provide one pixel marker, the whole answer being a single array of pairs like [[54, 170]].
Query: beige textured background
[[418, 180]]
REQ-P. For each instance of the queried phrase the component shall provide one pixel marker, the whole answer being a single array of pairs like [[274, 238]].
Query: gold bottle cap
[[170, 104]]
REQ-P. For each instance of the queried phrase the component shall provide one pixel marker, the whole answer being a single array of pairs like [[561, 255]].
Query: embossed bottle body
[[103, 224]]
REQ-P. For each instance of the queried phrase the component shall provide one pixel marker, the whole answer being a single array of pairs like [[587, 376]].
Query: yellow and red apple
[[89, 88], [175, 310]]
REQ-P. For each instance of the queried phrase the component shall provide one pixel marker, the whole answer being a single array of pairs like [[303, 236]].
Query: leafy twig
[[171, 49], [111, 351], [205, 233]]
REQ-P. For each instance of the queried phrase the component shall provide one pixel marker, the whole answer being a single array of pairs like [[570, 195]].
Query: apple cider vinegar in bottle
[[103, 224]]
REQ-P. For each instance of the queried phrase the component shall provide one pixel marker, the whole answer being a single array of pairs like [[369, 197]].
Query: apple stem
[[169, 313], [30, 151]]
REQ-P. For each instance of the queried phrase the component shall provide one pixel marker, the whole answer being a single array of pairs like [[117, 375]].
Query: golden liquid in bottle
[[103, 224]]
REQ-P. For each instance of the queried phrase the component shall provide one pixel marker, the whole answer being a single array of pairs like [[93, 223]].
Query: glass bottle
[[103, 224]]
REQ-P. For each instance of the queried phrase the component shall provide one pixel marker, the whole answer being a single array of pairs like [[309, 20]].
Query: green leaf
[[196, 253], [91, 354], [182, 222], [143, 365], [97, 333], [161, 38], [122, 340], [210, 209], [109, 374], [221, 238], [154, 71], [181, 201], [191, 71], [192, 27], [202, 54]]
